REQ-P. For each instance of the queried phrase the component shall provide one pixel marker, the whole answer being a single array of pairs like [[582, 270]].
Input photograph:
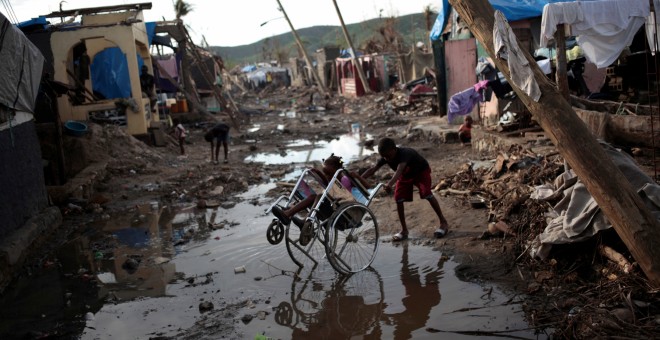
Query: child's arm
[[399, 171], [356, 176], [369, 172]]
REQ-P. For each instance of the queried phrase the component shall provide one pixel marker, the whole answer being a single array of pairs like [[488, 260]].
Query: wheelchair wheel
[[304, 251], [352, 238], [275, 232]]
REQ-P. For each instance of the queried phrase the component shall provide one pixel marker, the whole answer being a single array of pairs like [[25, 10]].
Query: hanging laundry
[[506, 48]]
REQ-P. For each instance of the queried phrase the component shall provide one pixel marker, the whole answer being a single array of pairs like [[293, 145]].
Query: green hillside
[[411, 27]]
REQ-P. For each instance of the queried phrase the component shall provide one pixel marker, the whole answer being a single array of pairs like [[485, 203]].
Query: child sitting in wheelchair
[[308, 191]]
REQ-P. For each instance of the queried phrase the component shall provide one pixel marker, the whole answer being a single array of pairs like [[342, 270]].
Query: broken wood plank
[[454, 191], [616, 257], [632, 220]]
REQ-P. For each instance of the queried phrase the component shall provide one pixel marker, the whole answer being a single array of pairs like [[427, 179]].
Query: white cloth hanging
[[603, 28], [558, 13], [506, 48], [652, 34]]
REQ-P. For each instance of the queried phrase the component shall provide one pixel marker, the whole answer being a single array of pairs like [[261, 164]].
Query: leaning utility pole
[[632, 220], [356, 63], [311, 67]]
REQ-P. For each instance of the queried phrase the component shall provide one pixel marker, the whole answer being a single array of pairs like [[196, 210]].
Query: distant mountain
[[412, 28]]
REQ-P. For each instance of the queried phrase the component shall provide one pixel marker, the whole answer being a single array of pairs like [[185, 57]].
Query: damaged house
[[99, 59]]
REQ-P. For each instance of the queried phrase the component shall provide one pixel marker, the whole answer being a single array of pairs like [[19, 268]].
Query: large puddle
[[144, 274], [348, 146]]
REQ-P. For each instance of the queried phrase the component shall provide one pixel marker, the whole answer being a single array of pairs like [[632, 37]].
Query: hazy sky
[[237, 22]]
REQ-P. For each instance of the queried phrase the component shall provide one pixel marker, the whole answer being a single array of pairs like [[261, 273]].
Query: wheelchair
[[339, 225]]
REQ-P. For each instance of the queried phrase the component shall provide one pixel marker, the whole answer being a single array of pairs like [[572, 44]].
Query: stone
[[205, 306], [247, 318]]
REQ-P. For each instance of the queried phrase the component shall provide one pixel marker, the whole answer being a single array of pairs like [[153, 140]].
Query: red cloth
[[418, 90]]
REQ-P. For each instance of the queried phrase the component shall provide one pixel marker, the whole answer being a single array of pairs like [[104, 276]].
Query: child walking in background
[[180, 135], [465, 131], [411, 169]]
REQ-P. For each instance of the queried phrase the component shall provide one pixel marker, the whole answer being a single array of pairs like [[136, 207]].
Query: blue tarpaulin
[[109, 71], [41, 21], [151, 31], [248, 68], [512, 9], [444, 11]]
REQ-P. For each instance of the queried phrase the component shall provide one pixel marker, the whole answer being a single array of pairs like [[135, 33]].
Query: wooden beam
[[634, 223], [310, 65], [354, 58], [97, 10]]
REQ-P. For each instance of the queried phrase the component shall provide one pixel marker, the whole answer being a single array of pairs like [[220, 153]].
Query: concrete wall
[[21, 174]]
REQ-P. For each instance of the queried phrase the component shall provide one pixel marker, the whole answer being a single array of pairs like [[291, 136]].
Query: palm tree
[[429, 16], [182, 8]]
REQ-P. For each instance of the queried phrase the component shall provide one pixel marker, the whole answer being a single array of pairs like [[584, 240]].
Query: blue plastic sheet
[[151, 31], [248, 68], [41, 21], [109, 71], [444, 11], [512, 9]]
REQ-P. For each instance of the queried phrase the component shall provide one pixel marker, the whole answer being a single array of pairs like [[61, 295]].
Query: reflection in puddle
[[128, 264], [254, 128], [347, 146]]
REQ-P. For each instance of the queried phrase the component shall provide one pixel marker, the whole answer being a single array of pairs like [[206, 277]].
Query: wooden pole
[[638, 229], [356, 62], [440, 75], [560, 73], [310, 65]]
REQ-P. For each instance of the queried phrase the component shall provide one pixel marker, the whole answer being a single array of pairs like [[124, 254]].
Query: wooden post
[[560, 73], [356, 62], [440, 75], [310, 65], [638, 229]]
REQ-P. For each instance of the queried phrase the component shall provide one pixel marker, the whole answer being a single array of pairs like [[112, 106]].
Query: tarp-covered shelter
[[21, 68], [21, 167], [259, 77], [349, 83]]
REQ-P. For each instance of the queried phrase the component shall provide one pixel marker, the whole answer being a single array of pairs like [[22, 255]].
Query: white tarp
[[20, 68], [603, 28], [577, 216]]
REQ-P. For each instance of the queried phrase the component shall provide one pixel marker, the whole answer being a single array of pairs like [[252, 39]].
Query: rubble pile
[[585, 290]]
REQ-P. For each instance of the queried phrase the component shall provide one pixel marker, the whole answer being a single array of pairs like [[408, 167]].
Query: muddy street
[[171, 276], [179, 250]]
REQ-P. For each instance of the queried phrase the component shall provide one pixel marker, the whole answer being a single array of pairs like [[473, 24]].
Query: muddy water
[[411, 292], [145, 273], [303, 151]]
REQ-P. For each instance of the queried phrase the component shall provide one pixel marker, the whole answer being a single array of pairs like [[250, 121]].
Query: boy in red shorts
[[411, 169]]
